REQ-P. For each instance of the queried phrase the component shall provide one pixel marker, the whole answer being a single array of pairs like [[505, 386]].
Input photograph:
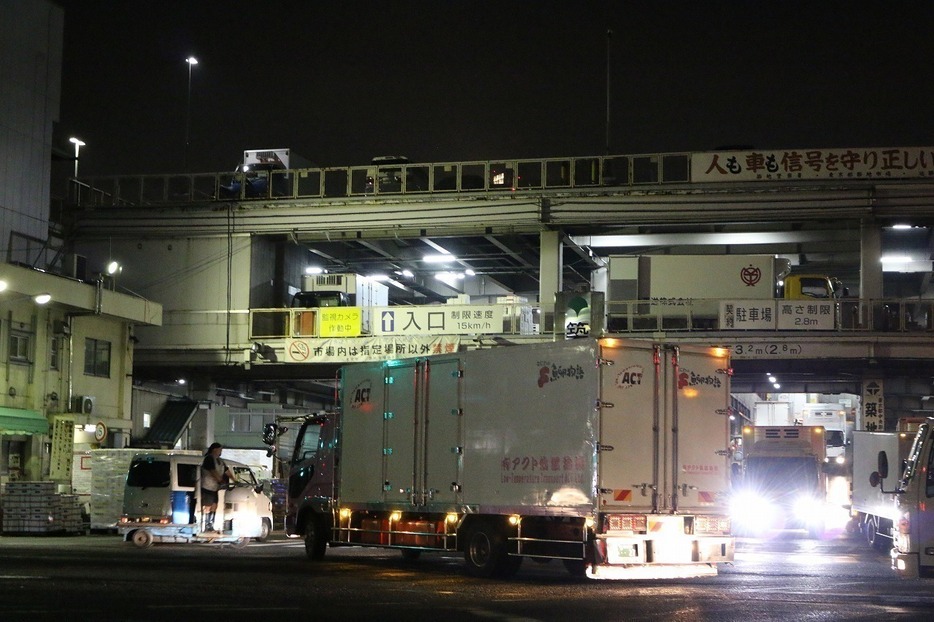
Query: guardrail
[[849, 315], [503, 319], [384, 180], [641, 316]]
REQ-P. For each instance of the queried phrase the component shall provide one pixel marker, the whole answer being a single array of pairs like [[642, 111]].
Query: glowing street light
[[192, 61], [78, 143]]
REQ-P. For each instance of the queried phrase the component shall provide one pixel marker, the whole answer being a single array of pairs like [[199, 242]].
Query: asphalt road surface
[[785, 577]]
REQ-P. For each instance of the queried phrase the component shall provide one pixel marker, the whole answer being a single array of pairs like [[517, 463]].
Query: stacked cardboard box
[[37, 507]]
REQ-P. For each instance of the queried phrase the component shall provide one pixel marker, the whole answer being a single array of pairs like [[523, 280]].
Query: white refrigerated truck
[[874, 511], [833, 418], [899, 490], [610, 455]]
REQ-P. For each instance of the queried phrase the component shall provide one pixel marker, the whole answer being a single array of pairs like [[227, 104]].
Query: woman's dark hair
[[213, 447]]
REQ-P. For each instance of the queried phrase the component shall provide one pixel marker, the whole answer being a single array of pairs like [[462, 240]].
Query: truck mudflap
[[905, 564]]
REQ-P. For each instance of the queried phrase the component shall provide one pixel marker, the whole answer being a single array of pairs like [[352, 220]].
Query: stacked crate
[[37, 508]]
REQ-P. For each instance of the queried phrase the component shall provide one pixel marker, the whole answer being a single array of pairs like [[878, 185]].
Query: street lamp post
[[78, 143], [609, 39], [192, 61]]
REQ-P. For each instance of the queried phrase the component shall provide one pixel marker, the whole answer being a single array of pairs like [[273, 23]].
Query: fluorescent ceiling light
[[314, 270], [42, 299], [901, 226], [439, 258], [895, 259]]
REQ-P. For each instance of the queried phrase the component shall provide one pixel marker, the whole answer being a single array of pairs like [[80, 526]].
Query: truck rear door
[[697, 398], [415, 404], [664, 426], [629, 457]]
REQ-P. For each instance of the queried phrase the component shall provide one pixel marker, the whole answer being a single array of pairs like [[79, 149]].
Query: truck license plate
[[623, 551]]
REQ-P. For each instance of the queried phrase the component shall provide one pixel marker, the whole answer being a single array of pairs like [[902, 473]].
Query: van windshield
[[148, 474]]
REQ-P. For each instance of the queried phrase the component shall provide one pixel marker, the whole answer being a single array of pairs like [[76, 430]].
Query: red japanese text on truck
[[896, 500], [609, 455]]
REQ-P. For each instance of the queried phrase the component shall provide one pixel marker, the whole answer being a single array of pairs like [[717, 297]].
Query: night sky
[[340, 82]]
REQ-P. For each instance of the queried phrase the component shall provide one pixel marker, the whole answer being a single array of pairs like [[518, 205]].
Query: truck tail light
[[712, 525], [631, 523]]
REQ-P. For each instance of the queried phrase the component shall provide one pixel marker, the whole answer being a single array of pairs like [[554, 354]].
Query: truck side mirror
[[883, 465], [270, 433]]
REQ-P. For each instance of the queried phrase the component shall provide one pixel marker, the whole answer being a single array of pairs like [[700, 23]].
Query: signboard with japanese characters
[[438, 319], [747, 314], [805, 315], [794, 164], [780, 314], [356, 350], [872, 418], [339, 321]]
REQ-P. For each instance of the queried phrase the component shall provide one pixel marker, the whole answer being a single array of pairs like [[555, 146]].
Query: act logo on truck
[[552, 372], [360, 396], [630, 377]]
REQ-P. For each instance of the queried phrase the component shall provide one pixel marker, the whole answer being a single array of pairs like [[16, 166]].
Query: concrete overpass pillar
[[550, 270], [870, 264], [870, 270]]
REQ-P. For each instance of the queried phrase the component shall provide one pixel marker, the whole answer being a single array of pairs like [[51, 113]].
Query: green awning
[[21, 421]]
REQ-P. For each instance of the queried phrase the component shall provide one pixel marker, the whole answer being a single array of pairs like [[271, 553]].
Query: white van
[[162, 503]]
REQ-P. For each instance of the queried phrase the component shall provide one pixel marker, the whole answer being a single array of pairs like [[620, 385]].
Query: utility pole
[[609, 39]]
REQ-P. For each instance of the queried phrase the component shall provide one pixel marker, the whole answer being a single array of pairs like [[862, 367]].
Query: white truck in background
[[782, 484], [340, 290], [608, 455], [696, 284], [772, 413], [874, 512], [833, 418], [909, 486]]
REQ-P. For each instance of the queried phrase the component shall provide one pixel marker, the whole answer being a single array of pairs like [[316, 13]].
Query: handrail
[[851, 316], [506, 175]]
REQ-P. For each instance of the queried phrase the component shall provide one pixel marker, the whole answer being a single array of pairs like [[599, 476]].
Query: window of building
[[97, 357], [19, 346], [55, 349], [249, 422]]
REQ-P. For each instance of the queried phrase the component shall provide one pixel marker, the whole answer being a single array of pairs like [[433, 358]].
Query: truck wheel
[[142, 538], [265, 530], [485, 553], [315, 543], [873, 528]]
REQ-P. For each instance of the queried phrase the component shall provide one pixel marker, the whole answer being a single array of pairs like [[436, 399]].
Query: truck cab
[[913, 532], [782, 485], [808, 286]]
